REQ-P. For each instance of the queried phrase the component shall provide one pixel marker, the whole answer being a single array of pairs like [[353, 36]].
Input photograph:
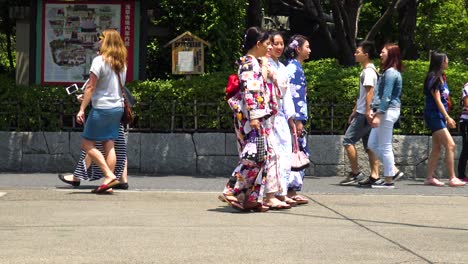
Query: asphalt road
[[178, 219]]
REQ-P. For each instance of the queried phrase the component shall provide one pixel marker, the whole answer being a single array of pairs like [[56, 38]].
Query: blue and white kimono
[[298, 87]]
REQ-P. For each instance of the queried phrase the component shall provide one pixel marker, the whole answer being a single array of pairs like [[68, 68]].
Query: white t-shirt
[[108, 93], [368, 77]]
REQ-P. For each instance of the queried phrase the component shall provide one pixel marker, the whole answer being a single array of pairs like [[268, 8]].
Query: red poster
[[70, 36]]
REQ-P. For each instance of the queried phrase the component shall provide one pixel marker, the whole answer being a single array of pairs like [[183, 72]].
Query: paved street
[[178, 219]]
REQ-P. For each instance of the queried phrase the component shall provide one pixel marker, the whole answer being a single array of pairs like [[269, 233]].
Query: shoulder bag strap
[[121, 87]]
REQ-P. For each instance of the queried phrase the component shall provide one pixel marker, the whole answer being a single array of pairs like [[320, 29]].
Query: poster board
[[70, 37]]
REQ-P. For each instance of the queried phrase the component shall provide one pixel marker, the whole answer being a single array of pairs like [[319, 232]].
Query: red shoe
[[104, 187]]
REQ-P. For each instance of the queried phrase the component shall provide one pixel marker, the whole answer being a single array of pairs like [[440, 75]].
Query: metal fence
[[188, 117]]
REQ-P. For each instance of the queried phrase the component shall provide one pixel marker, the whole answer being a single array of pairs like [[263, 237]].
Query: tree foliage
[[332, 90], [220, 22], [443, 25], [7, 39]]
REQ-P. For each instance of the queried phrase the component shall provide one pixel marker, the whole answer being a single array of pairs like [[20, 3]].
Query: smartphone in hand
[[72, 89]]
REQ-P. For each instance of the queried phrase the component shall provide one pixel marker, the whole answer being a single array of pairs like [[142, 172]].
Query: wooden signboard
[[188, 52]]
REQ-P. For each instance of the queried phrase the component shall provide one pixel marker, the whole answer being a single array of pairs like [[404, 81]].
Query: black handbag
[[254, 151]]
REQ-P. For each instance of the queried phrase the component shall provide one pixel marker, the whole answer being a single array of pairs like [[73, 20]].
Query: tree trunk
[[345, 54], [254, 14], [341, 35], [378, 25], [407, 28], [323, 26], [353, 9]]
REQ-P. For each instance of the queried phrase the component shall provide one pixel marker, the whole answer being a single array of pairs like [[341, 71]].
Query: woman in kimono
[[283, 123], [297, 51], [251, 105]]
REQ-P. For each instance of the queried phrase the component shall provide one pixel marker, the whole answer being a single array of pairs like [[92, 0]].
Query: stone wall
[[207, 154]]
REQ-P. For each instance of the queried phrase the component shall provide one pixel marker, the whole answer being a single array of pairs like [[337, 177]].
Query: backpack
[[376, 72], [232, 87]]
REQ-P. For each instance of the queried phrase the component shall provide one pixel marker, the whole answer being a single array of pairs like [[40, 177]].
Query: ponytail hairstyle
[[294, 42], [393, 58], [252, 36], [435, 73]]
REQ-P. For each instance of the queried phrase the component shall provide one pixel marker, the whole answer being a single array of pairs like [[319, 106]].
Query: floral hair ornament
[[294, 44]]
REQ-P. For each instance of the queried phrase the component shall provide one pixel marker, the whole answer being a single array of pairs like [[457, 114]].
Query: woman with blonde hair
[[104, 92]]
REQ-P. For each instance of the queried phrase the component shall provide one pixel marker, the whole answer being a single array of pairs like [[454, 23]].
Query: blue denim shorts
[[358, 129]]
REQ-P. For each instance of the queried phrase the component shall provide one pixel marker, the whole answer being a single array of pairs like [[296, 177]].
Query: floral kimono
[[252, 102], [281, 137]]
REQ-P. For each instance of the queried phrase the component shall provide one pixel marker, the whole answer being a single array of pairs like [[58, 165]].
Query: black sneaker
[[383, 185], [398, 175], [352, 178], [369, 181]]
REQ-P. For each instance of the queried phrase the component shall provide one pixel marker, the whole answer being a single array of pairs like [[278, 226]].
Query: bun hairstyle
[[252, 36], [294, 42]]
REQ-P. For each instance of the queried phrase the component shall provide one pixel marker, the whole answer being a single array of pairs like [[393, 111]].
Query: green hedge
[[169, 105], [200, 96]]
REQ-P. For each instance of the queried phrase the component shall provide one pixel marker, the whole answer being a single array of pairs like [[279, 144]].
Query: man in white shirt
[[359, 120]]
